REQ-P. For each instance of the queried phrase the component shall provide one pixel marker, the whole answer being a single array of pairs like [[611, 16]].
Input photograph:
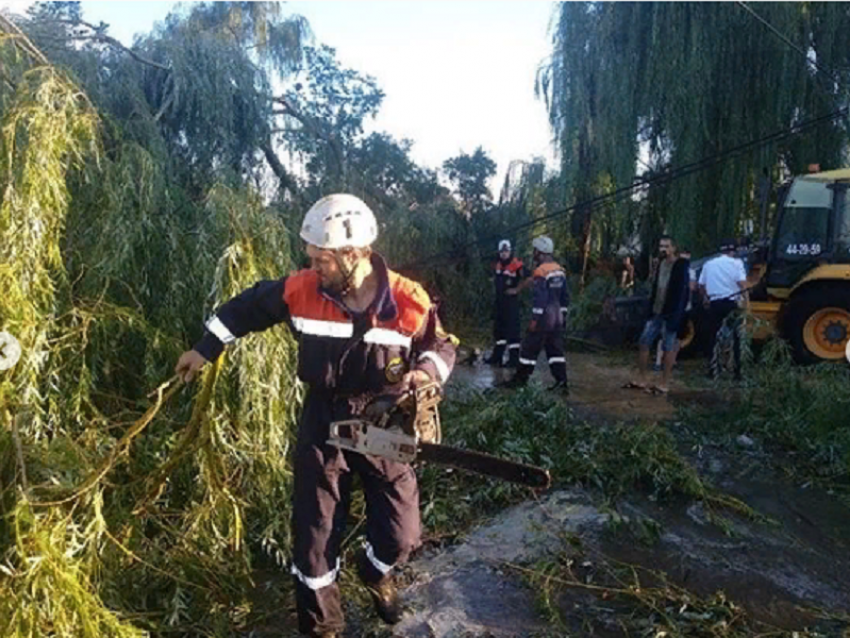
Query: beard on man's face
[[332, 282]]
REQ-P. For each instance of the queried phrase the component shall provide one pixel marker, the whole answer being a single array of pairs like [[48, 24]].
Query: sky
[[456, 74]]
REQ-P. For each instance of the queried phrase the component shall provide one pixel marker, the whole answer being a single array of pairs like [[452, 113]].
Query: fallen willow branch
[[123, 445], [188, 443]]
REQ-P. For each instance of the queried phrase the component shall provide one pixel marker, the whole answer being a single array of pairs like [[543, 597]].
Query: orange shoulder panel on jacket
[[515, 265], [412, 301], [299, 283], [545, 269], [301, 295]]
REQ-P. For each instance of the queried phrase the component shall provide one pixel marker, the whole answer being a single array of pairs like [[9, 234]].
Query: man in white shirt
[[723, 283]]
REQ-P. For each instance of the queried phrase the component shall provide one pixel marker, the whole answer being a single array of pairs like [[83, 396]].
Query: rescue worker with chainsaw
[[509, 273], [364, 332], [551, 300]]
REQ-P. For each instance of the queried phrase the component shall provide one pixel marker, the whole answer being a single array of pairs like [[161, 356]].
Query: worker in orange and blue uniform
[[363, 332], [509, 273], [551, 300]]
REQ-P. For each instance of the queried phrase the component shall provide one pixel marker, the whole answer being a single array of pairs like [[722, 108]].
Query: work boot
[[495, 358], [385, 598], [513, 383], [560, 387], [383, 592]]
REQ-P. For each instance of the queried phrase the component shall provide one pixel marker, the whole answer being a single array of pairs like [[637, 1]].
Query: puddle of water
[[596, 383]]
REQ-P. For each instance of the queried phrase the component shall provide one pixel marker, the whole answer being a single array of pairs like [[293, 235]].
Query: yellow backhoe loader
[[802, 279]]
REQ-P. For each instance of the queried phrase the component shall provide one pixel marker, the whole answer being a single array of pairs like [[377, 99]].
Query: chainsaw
[[406, 428]]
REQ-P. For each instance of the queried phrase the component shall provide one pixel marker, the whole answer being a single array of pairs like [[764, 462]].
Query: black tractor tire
[[803, 307]]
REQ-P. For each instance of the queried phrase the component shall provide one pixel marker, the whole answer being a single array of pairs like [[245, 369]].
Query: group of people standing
[[720, 288], [550, 306]]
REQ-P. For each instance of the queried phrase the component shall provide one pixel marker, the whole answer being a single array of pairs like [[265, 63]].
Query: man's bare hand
[[415, 378], [189, 364]]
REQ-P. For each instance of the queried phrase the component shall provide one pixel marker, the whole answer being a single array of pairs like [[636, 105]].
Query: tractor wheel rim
[[826, 332]]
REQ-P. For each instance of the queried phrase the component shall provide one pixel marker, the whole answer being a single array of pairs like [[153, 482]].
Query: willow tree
[[667, 84], [123, 220]]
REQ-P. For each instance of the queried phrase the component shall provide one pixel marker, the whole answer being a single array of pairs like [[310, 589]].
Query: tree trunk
[[286, 182], [585, 247]]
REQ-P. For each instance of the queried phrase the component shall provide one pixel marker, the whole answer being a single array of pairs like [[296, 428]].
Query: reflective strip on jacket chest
[[345, 330]]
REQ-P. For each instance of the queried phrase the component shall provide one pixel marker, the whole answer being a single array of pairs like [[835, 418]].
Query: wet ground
[[781, 572], [474, 589], [791, 572], [596, 384]]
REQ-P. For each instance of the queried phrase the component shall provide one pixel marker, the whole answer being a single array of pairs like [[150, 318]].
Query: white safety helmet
[[504, 245], [544, 245], [339, 221]]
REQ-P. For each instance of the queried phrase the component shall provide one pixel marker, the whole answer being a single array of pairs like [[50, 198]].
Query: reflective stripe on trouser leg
[[377, 563], [528, 353], [392, 513], [555, 352], [513, 355], [321, 496]]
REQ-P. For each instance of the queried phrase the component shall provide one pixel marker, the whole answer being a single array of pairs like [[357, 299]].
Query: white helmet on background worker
[[504, 245], [339, 221], [543, 245]]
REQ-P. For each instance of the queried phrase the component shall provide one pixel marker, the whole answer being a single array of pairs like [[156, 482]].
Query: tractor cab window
[[803, 233], [842, 222]]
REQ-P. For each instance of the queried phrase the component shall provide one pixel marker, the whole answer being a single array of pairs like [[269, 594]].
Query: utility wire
[[667, 176], [833, 72], [789, 42]]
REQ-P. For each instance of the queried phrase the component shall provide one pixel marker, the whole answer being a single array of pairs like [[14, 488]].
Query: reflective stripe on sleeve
[[318, 582], [215, 326], [537, 311], [557, 360], [442, 368]]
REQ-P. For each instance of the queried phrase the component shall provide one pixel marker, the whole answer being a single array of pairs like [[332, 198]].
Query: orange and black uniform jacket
[[508, 275], [342, 354], [551, 297]]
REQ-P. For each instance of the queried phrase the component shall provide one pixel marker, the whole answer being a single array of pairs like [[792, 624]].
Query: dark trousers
[[322, 495], [717, 313], [534, 342], [506, 329]]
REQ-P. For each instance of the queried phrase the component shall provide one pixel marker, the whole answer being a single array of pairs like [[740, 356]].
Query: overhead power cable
[[821, 67], [625, 191]]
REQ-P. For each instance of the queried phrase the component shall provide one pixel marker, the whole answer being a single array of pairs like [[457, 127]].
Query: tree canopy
[[635, 87]]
